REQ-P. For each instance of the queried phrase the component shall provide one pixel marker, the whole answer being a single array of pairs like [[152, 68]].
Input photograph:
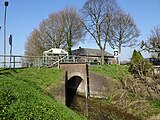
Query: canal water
[[95, 109]]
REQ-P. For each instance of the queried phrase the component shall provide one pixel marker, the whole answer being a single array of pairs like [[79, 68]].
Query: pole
[[6, 4], [10, 43], [10, 55]]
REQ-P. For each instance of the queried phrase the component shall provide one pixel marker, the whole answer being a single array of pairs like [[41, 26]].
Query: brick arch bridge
[[76, 79]]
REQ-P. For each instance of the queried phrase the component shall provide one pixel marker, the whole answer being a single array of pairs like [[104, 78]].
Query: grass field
[[23, 95], [114, 71]]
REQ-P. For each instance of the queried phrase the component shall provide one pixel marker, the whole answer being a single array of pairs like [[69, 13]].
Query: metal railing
[[18, 61]]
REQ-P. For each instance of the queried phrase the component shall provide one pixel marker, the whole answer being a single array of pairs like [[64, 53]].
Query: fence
[[17, 61]]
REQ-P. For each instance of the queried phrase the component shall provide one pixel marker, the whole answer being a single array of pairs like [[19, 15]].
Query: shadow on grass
[[9, 71], [6, 72]]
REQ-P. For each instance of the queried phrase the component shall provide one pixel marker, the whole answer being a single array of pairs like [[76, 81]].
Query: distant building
[[93, 56]]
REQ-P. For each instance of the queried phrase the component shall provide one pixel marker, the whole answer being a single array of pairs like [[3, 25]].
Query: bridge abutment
[[76, 79]]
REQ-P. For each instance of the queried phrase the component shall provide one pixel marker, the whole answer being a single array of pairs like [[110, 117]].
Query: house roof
[[90, 52]]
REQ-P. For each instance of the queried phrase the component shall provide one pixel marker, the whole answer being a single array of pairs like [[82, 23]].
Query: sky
[[25, 15]]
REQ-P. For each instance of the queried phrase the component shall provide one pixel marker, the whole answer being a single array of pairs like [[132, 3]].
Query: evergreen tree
[[139, 65]]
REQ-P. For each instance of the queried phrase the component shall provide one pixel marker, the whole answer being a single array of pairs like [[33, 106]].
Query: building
[[93, 56]]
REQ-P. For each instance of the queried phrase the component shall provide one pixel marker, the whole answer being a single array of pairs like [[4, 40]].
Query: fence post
[[14, 62], [58, 62]]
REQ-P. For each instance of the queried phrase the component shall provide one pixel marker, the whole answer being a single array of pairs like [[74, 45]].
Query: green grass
[[113, 71], [22, 95], [155, 103]]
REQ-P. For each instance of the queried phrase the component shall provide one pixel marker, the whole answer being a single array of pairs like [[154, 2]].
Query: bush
[[139, 65]]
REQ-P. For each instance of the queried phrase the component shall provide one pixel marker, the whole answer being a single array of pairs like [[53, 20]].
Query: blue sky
[[25, 15]]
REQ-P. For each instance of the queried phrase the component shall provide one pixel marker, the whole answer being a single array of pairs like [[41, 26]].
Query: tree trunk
[[69, 48], [102, 56], [69, 42], [119, 54]]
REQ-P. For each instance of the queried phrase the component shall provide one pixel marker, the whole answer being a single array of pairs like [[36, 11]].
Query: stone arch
[[72, 71], [71, 88]]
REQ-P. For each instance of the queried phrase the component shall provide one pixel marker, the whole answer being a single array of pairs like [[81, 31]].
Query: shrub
[[139, 65]]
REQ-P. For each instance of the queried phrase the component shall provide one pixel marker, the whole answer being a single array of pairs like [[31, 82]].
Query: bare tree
[[33, 46], [60, 30], [55, 30], [153, 43], [52, 31], [46, 35], [98, 16], [73, 27], [125, 31]]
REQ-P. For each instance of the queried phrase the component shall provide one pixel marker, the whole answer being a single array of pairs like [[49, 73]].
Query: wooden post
[[87, 83], [87, 90], [66, 82]]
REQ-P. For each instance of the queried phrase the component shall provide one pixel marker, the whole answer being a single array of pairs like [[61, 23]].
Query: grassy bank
[[23, 95], [113, 71], [130, 94]]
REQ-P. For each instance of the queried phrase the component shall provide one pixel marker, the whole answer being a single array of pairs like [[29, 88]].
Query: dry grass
[[133, 95]]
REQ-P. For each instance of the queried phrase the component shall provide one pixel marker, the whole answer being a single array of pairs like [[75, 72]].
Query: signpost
[[116, 55]]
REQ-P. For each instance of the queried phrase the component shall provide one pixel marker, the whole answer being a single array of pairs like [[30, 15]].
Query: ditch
[[96, 109]]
